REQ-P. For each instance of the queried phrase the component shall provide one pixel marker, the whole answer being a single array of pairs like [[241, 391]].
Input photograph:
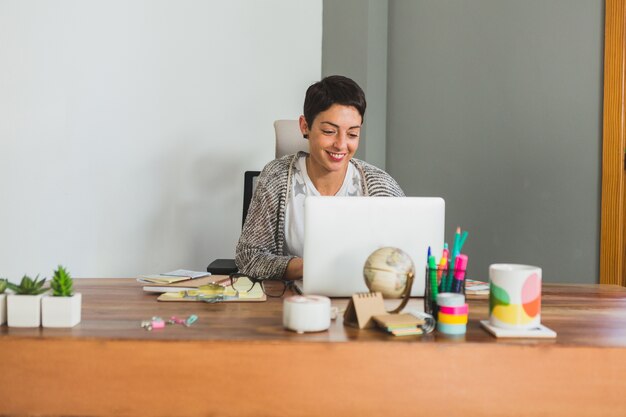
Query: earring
[[306, 136]]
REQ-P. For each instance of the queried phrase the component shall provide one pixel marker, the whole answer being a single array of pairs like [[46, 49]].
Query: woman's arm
[[294, 269], [257, 252]]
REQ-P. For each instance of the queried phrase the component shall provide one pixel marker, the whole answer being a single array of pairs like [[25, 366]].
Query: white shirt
[[301, 187]]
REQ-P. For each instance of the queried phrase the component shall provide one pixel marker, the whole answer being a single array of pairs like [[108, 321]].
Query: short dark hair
[[334, 89]]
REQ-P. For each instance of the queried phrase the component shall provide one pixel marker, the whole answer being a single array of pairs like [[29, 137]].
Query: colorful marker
[[460, 267], [452, 262], [446, 256], [432, 267]]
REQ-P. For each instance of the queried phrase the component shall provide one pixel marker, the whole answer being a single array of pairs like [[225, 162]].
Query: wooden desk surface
[[238, 360]]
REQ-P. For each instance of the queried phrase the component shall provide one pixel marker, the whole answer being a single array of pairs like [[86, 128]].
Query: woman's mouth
[[336, 157]]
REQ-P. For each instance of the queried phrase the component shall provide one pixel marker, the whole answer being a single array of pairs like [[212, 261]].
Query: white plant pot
[[60, 311], [3, 308], [24, 310]]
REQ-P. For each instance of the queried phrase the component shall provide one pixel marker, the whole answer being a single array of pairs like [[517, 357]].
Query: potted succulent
[[62, 307], [24, 306], [3, 301]]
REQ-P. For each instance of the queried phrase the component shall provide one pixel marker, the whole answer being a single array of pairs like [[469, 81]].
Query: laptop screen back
[[341, 232]]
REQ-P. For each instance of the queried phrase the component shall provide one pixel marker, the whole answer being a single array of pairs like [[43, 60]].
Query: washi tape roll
[[452, 329], [452, 318], [454, 310], [450, 299]]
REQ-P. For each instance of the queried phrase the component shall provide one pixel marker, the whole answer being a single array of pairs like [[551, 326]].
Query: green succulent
[[62, 283], [29, 286], [3, 285]]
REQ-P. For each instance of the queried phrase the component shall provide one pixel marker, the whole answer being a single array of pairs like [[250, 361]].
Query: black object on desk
[[222, 267]]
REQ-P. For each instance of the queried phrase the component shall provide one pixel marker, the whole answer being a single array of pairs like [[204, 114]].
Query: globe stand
[[406, 296]]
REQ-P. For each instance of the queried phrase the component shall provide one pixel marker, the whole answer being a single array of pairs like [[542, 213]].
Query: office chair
[[289, 140]]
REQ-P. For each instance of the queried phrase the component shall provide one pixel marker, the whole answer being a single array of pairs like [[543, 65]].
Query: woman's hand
[[294, 269]]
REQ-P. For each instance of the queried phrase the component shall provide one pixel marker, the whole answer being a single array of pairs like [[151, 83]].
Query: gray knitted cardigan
[[260, 250]]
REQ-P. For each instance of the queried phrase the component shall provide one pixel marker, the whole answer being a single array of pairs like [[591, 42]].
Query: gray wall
[[497, 107], [354, 44]]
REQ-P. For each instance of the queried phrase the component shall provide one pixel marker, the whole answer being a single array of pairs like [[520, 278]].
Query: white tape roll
[[310, 313], [450, 299]]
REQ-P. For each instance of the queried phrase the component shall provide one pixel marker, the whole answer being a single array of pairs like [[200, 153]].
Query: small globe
[[387, 270]]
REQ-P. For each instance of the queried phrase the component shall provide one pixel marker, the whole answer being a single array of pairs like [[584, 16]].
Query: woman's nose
[[340, 140]]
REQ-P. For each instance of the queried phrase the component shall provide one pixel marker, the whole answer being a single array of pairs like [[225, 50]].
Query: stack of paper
[[188, 284], [171, 277], [399, 324], [473, 287]]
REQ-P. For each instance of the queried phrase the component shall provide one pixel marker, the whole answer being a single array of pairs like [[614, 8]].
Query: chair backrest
[[289, 138], [249, 184]]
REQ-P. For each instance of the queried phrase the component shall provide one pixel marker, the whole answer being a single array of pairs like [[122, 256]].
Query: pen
[[455, 252], [432, 267], [441, 267], [446, 256], [460, 267], [462, 241]]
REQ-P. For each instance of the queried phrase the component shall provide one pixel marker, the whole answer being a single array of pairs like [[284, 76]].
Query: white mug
[[514, 296]]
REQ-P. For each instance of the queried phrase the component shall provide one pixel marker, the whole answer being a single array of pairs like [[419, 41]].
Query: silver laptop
[[341, 232]]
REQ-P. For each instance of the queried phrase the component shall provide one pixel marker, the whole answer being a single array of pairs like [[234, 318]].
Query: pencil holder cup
[[437, 281]]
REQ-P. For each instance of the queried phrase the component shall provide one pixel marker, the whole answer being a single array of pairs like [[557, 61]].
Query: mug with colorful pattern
[[514, 296]]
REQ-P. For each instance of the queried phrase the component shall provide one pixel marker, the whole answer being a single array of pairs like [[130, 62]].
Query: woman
[[271, 242]]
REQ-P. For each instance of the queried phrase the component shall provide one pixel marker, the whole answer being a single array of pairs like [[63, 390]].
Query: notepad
[[171, 277], [186, 273], [400, 324], [213, 293], [187, 284], [394, 321], [160, 279]]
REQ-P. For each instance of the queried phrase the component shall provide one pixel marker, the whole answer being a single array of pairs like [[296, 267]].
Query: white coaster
[[541, 331]]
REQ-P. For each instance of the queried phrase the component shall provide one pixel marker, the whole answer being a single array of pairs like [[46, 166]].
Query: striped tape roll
[[450, 299], [454, 310], [452, 318], [452, 328]]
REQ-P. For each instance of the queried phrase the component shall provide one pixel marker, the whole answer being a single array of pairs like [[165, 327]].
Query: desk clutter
[[158, 323], [185, 286], [367, 310], [514, 296]]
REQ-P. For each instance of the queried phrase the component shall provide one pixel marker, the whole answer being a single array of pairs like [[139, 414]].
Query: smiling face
[[333, 140]]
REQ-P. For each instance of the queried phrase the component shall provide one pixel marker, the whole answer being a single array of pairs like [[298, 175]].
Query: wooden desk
[[238, 361]]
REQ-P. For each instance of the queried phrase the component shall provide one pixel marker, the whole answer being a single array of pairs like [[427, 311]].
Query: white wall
[[126, 126]]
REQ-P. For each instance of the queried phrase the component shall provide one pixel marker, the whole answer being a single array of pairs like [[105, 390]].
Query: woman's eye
[[327, 132], [353, 135]]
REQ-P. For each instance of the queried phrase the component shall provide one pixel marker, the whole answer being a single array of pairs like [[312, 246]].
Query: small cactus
[[3, 285], [62, 283], [28, 286]]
